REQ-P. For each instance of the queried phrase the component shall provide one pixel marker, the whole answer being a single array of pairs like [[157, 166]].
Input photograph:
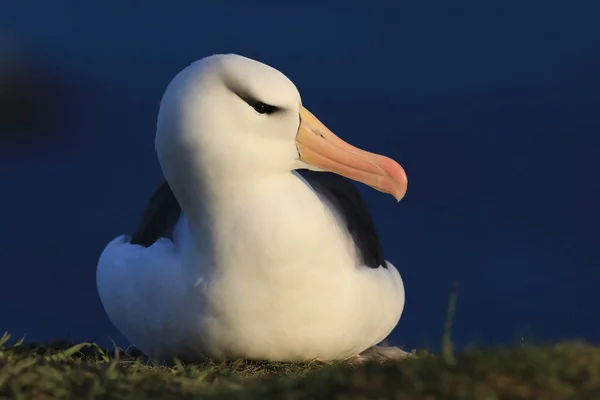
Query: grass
[[569, 370]]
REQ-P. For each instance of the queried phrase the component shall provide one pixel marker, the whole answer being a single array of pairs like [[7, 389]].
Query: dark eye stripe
[[263, 108], [259, 106]]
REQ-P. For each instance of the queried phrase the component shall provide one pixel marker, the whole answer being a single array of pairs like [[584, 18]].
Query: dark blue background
[[493, 110]]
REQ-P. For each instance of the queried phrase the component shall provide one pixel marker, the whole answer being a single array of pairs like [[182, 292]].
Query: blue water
[[493, 111]]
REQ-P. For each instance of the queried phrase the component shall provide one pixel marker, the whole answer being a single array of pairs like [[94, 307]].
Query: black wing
[[163, 213], [159, 219], [347, 200]]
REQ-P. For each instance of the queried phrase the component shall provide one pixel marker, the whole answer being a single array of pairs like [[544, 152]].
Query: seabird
[[256, 245]]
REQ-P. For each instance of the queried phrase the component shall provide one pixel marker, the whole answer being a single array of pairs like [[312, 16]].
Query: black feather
[[160, 217], [163, 212], [347, 200]]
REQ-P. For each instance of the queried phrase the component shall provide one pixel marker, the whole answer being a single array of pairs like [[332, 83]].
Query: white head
[[227, 117]]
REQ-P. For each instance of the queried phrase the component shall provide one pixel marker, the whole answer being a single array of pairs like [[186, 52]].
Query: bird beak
[[321, 148]]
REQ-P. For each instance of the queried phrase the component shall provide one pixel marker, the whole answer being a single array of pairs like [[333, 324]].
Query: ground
[[568, 370]]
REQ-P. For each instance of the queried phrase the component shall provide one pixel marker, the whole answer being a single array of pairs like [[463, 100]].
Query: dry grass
[[569, 370]]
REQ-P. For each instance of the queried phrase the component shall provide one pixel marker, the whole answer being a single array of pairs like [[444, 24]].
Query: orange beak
[[321, 148]]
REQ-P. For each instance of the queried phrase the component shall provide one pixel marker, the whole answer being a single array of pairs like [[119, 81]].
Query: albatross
[[256, 245]]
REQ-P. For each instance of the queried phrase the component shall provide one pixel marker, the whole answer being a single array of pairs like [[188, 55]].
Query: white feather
[[259, 267]]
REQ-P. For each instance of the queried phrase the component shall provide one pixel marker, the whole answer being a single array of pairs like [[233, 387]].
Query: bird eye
[[263, 108], [259, 106]]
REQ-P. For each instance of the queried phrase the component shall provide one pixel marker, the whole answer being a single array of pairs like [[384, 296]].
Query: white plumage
[[259, 266]]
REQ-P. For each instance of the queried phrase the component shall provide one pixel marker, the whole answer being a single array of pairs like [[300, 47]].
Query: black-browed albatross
[[256, 245]]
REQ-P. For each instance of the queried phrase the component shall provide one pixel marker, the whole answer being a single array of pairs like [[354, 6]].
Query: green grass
[[569, 370]]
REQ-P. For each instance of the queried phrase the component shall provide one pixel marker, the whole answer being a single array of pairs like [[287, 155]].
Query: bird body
[[249, 249]]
